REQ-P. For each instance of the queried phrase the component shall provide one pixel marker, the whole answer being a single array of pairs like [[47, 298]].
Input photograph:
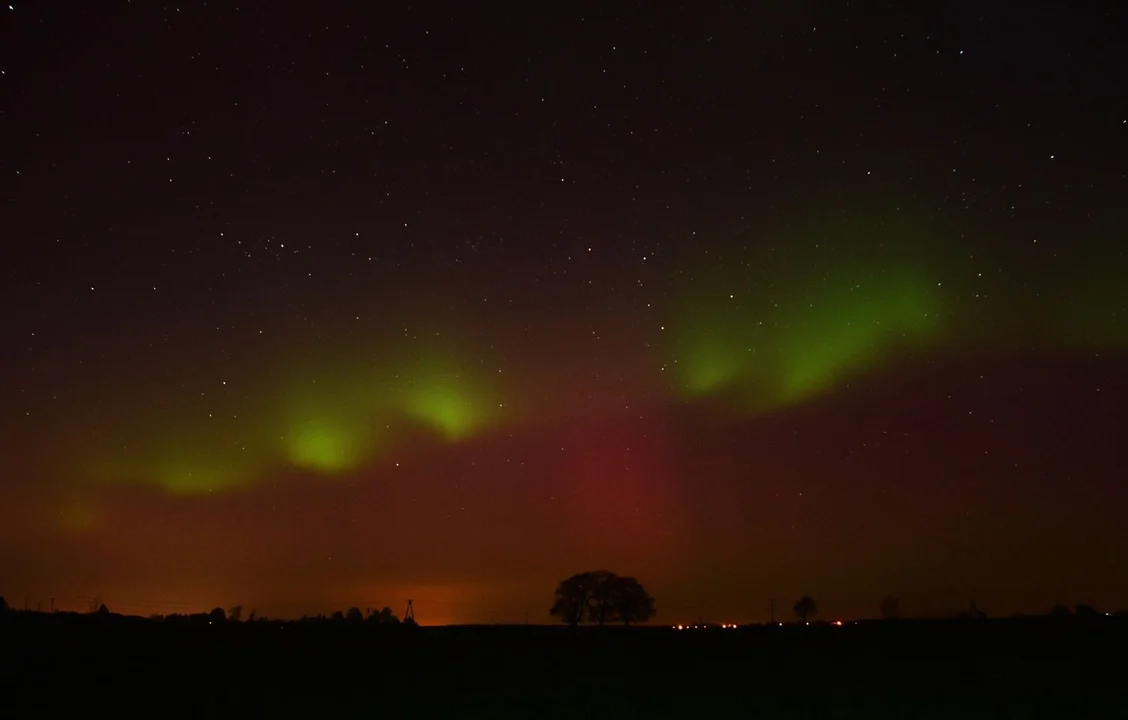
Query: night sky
[[312, 305]]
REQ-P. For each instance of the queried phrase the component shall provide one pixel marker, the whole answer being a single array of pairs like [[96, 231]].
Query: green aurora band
[[764, 328], [806, 321], [325, 424]]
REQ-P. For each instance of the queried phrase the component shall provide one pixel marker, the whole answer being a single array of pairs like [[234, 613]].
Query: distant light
[[838, 623], [781, 624]]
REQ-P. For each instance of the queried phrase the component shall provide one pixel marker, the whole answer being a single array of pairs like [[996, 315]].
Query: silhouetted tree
[[235, 614], [630, 601], [1085, 612], [217, 615], [251, 615], [96, 605], [600, 585], [601, 596], [383, 617], [3, 604], [890, 607], [1060, 612], [337, 616], [354, 615], [805, 607], [573, 599]]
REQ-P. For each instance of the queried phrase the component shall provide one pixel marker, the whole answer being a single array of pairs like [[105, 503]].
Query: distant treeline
[[218, 616], [356, 618]]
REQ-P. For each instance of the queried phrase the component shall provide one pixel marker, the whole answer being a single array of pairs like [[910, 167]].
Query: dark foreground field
[[958, 669]]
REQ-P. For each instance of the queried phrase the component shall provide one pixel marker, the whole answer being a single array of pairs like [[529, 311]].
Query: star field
[[317, 306]]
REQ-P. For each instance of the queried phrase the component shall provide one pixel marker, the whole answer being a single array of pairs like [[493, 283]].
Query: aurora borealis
[[744, 305]]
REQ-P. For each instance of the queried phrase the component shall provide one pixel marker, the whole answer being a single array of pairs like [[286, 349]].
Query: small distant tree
[[337, 616], [96, 605], [1085, 612], [890, 607], [252, 616], [354, 615], [3, 604], [630, 601], [217, 615], [805, 607], [235, 614], [1060, 612]]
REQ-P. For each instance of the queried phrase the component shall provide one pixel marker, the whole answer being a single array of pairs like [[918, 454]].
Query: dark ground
[[121, 667]]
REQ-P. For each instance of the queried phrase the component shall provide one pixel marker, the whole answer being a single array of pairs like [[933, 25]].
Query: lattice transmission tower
[[409, 613]]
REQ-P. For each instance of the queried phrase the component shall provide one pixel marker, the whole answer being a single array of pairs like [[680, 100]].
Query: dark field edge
[[129, 667]]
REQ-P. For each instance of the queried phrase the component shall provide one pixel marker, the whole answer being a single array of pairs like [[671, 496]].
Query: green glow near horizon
[[804, 320], [446, 410], [330, 421], [195, 478], [327, 446], [188, 464], [850, 327], [447, 398], [765, 325], [337, 421]]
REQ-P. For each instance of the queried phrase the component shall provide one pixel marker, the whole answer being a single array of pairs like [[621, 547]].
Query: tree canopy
[[601, 596], [805, 607], [382, 617]]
